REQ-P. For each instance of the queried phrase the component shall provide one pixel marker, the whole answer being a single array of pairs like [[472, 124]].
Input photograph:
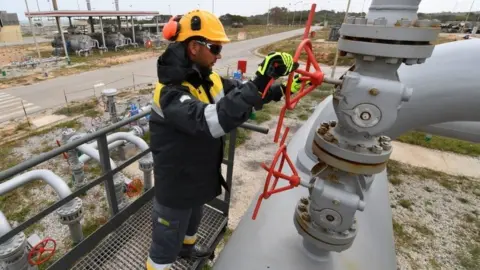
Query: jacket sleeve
[[194, 117]]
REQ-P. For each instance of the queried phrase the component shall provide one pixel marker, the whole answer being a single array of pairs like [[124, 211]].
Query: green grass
[[254, 31], [422, 229], [441, 143], [8, 158], [92, 224], [402, 238], [68, 124], [92, 113], [78, 108], [470, 260], [405, 204]]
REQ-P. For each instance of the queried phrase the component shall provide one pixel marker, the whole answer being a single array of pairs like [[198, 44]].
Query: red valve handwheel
[[294, 179], [35, 255], [316, 79], [134, 188]]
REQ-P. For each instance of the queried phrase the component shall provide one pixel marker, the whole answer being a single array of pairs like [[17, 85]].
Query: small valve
[[36, 254], [294, 179]]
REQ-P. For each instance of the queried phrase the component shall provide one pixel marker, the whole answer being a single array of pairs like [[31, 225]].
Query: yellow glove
[[296, 83]]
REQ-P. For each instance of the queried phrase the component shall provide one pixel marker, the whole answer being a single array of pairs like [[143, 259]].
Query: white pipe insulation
[[53, 180], [4, 224]]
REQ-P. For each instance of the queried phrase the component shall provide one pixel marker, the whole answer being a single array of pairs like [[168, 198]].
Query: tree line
[[283, 16]]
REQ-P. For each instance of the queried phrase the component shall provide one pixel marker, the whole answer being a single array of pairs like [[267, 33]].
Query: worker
[[192, 109]]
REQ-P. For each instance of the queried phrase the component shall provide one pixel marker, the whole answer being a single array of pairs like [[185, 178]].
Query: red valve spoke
[[305, 73], [302, 94], [36, 253], [311, 57]]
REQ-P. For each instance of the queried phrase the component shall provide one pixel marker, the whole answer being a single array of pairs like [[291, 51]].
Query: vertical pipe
[[63, 40], [33, 30], [336, 54], [76, 232], [119, 21], [158, 28], [147, 180], [109, 185], [133, 31], [103, 34], [231, 158]]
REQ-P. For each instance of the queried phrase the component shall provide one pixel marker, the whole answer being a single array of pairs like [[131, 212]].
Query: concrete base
[[47, 120]]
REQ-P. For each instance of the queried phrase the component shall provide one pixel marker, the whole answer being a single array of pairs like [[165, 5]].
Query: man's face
[[206, 53]]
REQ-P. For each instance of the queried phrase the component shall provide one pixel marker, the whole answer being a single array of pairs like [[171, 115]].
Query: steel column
[[109, 185]]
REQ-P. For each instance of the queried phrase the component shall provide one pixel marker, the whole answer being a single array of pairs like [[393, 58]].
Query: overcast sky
[[240, 7]]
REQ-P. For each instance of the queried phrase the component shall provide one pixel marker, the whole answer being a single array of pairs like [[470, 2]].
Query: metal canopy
[[89, 13]]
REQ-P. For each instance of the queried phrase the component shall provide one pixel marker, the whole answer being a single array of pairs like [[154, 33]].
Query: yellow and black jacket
[[192, 110]]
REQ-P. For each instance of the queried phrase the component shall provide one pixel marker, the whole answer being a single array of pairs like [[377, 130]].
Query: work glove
[[277, 91], [276, 64]]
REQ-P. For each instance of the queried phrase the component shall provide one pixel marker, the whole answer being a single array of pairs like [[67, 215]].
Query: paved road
[[50, 93]]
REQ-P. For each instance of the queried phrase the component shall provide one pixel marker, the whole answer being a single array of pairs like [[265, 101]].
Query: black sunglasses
[[214, 48]]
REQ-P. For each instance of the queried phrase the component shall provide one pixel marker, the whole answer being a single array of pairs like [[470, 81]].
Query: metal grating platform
[[127, 247]]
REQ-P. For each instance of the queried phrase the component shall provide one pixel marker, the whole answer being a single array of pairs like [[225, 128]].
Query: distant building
[[10, 27]]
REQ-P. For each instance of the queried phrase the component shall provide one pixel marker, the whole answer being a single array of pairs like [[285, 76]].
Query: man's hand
[[277, 91], [296, 84], [276, 64]]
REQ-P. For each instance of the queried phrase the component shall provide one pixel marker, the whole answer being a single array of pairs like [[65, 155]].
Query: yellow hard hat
[[196, 23]]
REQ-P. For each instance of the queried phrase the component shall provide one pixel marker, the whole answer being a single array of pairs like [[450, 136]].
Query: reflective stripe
[[211, 117], [219, 96], [158, 110]]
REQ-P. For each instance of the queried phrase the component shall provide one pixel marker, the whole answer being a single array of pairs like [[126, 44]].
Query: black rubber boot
[[196, 251]]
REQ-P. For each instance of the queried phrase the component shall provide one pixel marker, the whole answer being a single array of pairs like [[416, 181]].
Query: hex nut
[[322, 130], [360, 148], [384, 138], [302, 208], [373, 92], [304, 201], [306, 217], [386, 146], [391, 61], [376, 149], [328, 137]]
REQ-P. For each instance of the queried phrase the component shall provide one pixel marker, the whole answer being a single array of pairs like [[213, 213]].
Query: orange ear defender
[[172, 28]]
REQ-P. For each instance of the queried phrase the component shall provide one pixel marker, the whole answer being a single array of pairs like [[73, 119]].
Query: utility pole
[[268, 14], [33, 30], [336, 54], [213, 6]]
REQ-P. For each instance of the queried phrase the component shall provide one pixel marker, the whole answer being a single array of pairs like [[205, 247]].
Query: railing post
[[105, 163], [231, 155]]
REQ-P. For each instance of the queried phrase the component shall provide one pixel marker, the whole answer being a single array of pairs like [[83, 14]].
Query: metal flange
[[12, 248], [345, 165], [322, 239], [71, 212]]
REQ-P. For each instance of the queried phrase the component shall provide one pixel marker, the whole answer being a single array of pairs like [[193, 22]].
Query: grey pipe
[[445, 88], [53, 180], [93, 153]]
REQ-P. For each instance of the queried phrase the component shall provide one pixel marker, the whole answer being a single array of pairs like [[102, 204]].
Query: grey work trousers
[[169, 229]]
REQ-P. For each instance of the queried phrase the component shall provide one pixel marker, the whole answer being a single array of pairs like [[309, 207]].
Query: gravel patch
[[435, 219]]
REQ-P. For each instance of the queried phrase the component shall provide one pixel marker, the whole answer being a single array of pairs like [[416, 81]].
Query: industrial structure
[[331, 209], [10, 30], [112, 36]]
